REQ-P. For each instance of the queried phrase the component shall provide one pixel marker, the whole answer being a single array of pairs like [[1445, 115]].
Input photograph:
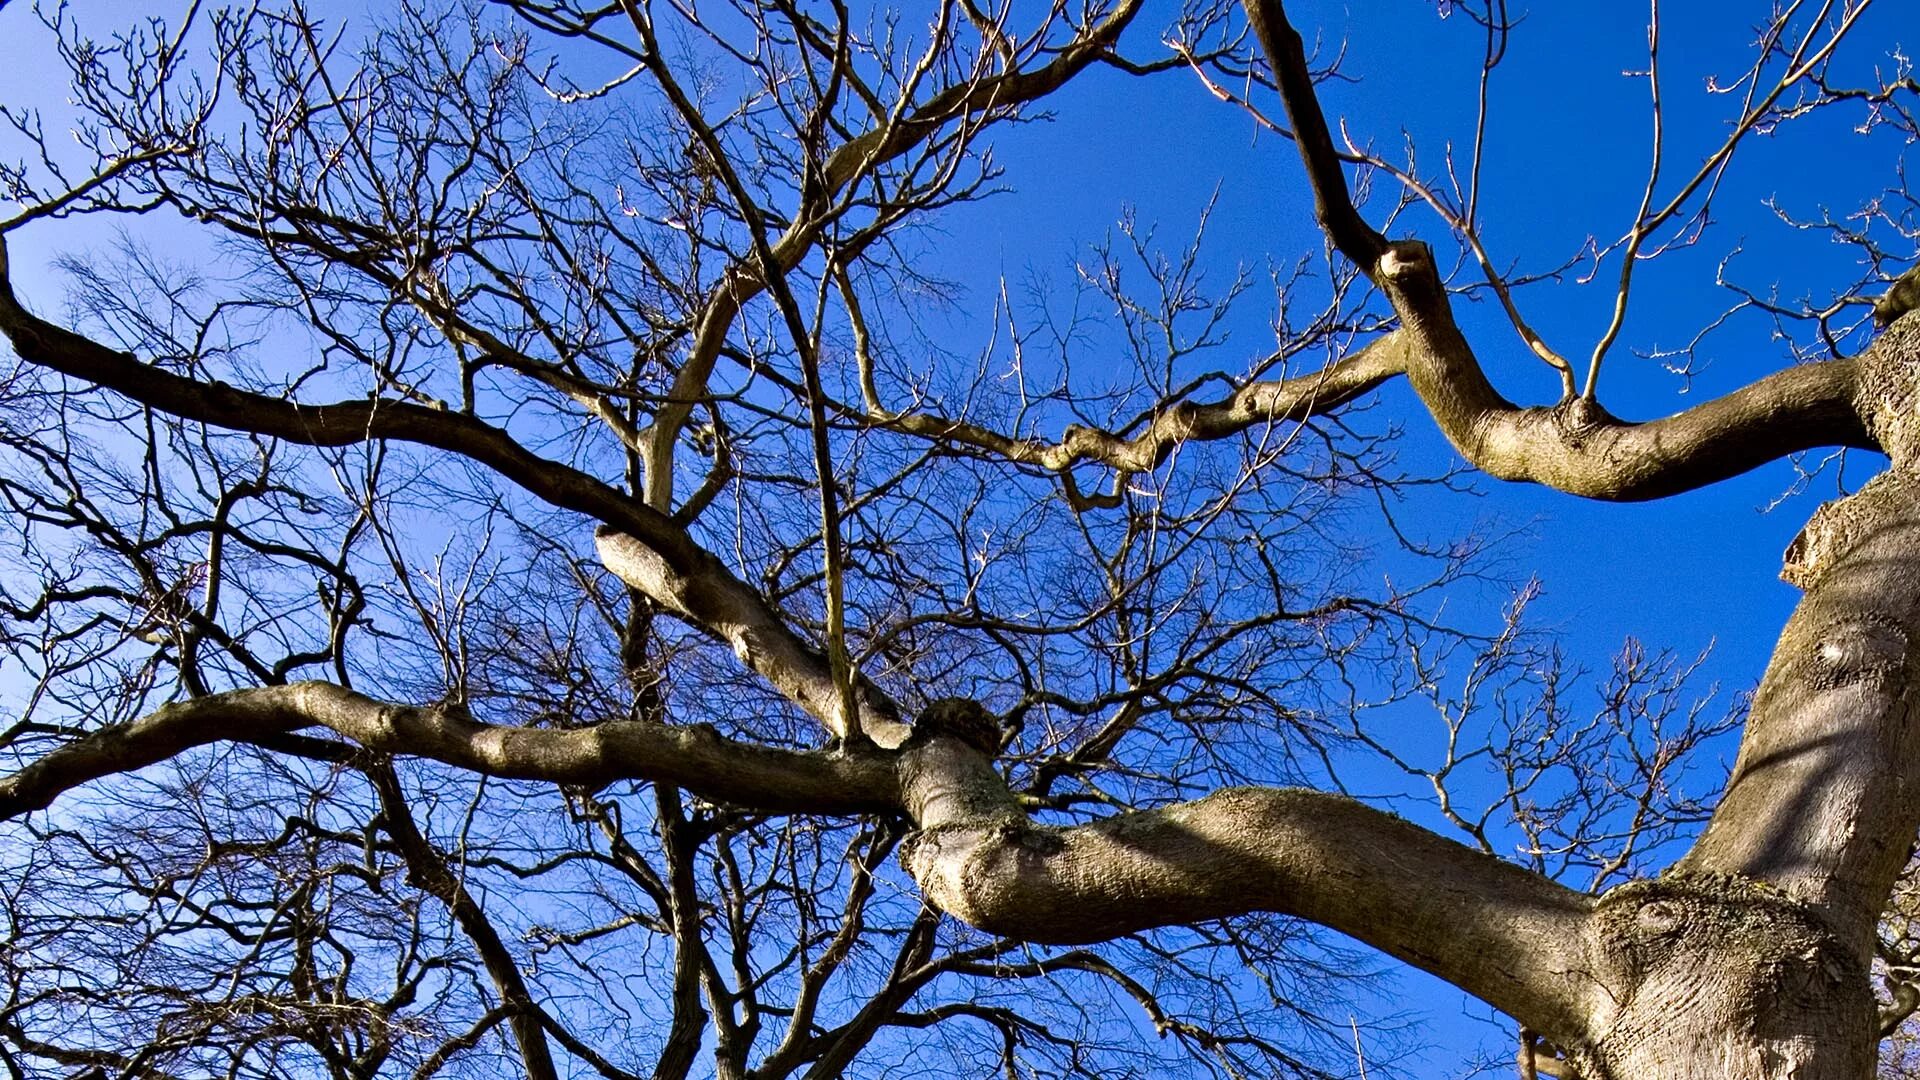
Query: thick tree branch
[[1254, 404], [761, 640], [694, 756], [339, 424], [1824, 799], [1576, 446], [1509, 936]]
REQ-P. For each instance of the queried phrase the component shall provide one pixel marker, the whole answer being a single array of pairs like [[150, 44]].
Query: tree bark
[[1748, 961], [1721, 976]]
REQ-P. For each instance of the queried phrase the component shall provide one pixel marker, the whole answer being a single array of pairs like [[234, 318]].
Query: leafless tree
[[498, 585]]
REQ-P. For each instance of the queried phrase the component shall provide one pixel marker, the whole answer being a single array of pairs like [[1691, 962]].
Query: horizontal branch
[[1500, 932], [1578, 447], [344, 423], [693, 756], [1575, 447], [1507, 935], [1254, 404]]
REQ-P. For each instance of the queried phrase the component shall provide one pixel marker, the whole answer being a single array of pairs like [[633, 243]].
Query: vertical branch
[[862, 343], [1332, 203], [679, 843], [773, 275], [1638, 234], [427, 871], [1497, 28], [1824, 801], [832, 545], [813, 190]]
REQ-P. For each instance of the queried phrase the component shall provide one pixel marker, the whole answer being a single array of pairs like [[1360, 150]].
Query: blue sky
[[1568, 147]]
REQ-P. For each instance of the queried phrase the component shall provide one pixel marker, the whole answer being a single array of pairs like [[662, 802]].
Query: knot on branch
[[1703, 967], [1639, 924], [962, 719], [1405, 260], [1578, 418], [992, 874], [1862, 647], [1407, 273]]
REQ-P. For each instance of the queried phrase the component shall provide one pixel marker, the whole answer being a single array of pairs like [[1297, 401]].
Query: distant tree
[[507, 575]]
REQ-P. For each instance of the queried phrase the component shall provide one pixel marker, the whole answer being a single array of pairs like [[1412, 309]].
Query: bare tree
[[497, 585]]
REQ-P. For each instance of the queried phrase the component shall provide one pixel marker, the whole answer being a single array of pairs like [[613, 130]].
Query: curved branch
[[694, 756], [1254, 404], [705, 591], [1509, 936], [344, 423], [1505, 934], [428, 871], [1576, 446]]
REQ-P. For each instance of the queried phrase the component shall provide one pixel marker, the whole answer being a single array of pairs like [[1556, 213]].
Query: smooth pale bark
[[1733, 985], [1506, 935], [693, 756], [1576, 446], [757, 636], [1501, 932]]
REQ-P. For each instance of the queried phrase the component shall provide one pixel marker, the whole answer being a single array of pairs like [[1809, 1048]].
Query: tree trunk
[[1722, 977], [1750, 959]]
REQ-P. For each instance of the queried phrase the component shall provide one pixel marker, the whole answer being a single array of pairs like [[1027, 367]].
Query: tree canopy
[[537, 546]]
